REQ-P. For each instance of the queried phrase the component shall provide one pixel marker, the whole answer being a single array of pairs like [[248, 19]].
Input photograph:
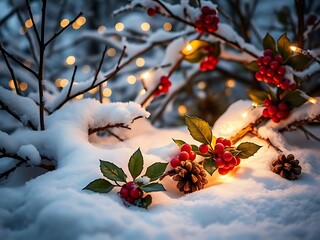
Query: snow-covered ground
[[250, 203]]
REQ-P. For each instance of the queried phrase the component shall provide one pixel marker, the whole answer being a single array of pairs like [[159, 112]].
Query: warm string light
[[245, 114], [102, 29], [131, 79], [187, 50], [70, 60], [140, 62], [304, 52], [312, 100], [182, 110], [119, 27], [111, 52], [145, 26], [64, 22], [167, 26]]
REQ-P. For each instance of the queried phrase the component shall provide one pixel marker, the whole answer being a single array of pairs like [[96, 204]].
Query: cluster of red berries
[[130, 192], [185, 154], [208, 63], [225, 161], [271, 70], [163, 86], [276, 111], [153, 11], [208, 20]]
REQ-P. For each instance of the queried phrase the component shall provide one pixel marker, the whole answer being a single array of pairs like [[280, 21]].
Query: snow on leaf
[[199, 129], [111, 171]]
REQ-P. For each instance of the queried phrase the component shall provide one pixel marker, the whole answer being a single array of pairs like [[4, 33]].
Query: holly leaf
[[295, 98], [247, 149], [155, 170], [100, 186], [153, 187], [299, 62], [257, 96], [193, 52], [111, 171], [284, 46], [269, 43], [272, 96], [209, 165], [199, 129], [145, 202], [135, 164], [252, 66], [178, 142]]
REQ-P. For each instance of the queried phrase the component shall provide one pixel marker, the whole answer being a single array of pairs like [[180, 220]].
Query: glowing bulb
[[182, 110], [142, 92], [28, 23], [93, 90], [188, 49], [23, 86], [293, 48], [230, 83], [131, 79], [86, 69], [79, 96], [81, 20], [11, 84], [107, 92], [312, 100], [57, 82], [64, 22], [119, 27], [140, 62], [102, 29], [167, 26], [75, 25], [111, 52], [254, 104], [244, 114], [145, 75], [145, 26], [70, 60], [64, 82], [202, 85]]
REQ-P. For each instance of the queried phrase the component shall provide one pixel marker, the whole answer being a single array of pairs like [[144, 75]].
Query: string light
[[86, 69], [81, 20], [23, 86], [64, 22], [230, 83], [188, 49], [167, 26], [28, 23], [145, 75], [119, 27], [11, 84], [63, 82], [79, 96], [145, 26], [111, 52], [245, 114], [102, 29], [107, 92], [140, 62], [202, 85], [312, 100], [182, 110], [131, 79], [304, 52], [142, 92], [70, 60], [93, 90]]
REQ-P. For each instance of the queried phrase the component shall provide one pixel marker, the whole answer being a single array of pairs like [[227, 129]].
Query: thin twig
[[10, 14], [32, 20], [62, 30], [100, 65], [15, 81], [72, 80], [115, 135], [300, 13], [309, 134]]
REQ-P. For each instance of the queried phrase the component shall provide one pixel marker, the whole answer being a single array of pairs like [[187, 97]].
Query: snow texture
[[251, 203], [30, 153]]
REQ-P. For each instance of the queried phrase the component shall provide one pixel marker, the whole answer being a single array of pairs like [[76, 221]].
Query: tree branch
[[100, 65]]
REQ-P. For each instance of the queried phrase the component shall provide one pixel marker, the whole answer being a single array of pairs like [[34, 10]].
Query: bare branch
[[72, 80], [100, 65], [32, 20]]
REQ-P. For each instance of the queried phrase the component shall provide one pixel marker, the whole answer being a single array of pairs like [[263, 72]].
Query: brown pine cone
[[190, 176], [287, 167]]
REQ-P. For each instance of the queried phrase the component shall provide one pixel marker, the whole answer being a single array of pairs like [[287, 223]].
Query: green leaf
[[299, 62], [135, 164], [209, 165], [156, 170], [193, 51], [296, 98], [179, 142], [272, 96], [199, 129], [99, 185], [111, 171], [247, 149], [195, 57], [284, 46], [145, 202], [257, 96], [269, 43], [153, 187], [252, 66]]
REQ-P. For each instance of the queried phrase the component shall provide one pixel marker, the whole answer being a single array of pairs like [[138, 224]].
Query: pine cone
[[190, 176], [286, 167]]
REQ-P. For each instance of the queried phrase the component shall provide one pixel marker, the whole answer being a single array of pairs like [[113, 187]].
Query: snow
[[30, 153], [251, 203]]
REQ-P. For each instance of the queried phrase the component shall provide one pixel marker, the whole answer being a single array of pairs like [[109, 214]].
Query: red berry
[[232, 162], [130, 200], [238, 160], [175, 162], [266, 60], [282, 106], [260, 61], [270, 72], [281, 70], [220, 163], [272, 110], [227, 156], [205, 10], [278, 58], [275, 119], [219, 148], [130, 185], [259, 76], [203, 66], [265, 113], [151, 12], [135, 193], [192, 155], [183, 156], [203, 148], [278, 78], [219, 140], [226, 142], [223, 171], [124, 192], [274, 65], [186, 147], [262, 70], [268, 52], [267, 102]]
